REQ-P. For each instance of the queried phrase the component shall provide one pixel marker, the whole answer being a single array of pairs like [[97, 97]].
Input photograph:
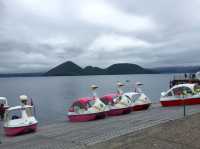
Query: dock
[[67, 135]]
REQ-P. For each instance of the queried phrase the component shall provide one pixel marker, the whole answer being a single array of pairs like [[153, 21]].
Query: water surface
[[52, 96]]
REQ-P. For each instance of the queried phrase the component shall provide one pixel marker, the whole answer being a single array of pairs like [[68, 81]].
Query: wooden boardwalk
[[80, 135]]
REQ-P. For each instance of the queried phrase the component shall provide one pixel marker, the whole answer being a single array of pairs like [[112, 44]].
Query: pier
[[66, 135]]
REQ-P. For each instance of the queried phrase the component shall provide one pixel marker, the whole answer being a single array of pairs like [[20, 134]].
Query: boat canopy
[[182, 89], [83, 104], [18, 112], [135, 96], [19, 107], [83, 101], [108, 98]]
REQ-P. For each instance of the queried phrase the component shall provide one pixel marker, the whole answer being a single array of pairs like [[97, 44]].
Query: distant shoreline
[[27, 76], [9, 75]]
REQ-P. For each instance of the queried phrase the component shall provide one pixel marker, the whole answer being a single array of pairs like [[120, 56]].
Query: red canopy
[[109, 97], [83, 100]]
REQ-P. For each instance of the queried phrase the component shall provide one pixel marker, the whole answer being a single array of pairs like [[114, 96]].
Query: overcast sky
[[36, 35]]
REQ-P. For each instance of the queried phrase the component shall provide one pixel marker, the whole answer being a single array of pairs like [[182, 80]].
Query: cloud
[[101, 13], [114, 42], [37, 35]]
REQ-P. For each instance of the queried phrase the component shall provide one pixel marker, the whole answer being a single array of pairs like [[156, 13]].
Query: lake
[[52, 96]]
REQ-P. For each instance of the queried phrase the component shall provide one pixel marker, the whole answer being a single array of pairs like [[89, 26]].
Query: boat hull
[[14, 131], [86, 117], [120, 111], [141, 107], [180, 102]]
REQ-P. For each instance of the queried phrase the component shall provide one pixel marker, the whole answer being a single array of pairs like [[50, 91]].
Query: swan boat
[[20, 119], [117, 103], [139, 101], [87, 108]]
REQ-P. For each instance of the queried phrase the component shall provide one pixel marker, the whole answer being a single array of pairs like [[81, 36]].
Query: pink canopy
[[83, 100], [109, 97]]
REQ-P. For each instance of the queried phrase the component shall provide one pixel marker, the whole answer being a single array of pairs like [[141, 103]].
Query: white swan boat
[[117, 103], [20, 119], [139, 101]]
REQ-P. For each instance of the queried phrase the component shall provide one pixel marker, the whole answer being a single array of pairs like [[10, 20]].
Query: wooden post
[[184, 107], [2, 132]]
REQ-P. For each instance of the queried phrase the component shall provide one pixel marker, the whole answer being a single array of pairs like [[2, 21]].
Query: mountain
[[71, 69], [89, 70], [126, 68], [65, 69]]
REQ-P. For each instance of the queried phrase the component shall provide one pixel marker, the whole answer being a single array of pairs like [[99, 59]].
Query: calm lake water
[[52, 96]]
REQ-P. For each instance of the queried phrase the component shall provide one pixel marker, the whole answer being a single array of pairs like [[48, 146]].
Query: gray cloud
[[36, 35]]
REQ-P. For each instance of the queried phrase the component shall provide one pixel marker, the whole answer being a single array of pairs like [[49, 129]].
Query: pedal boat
[[117, 103], [87, 109], [139, 101], [20, 119], [178, 95]]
